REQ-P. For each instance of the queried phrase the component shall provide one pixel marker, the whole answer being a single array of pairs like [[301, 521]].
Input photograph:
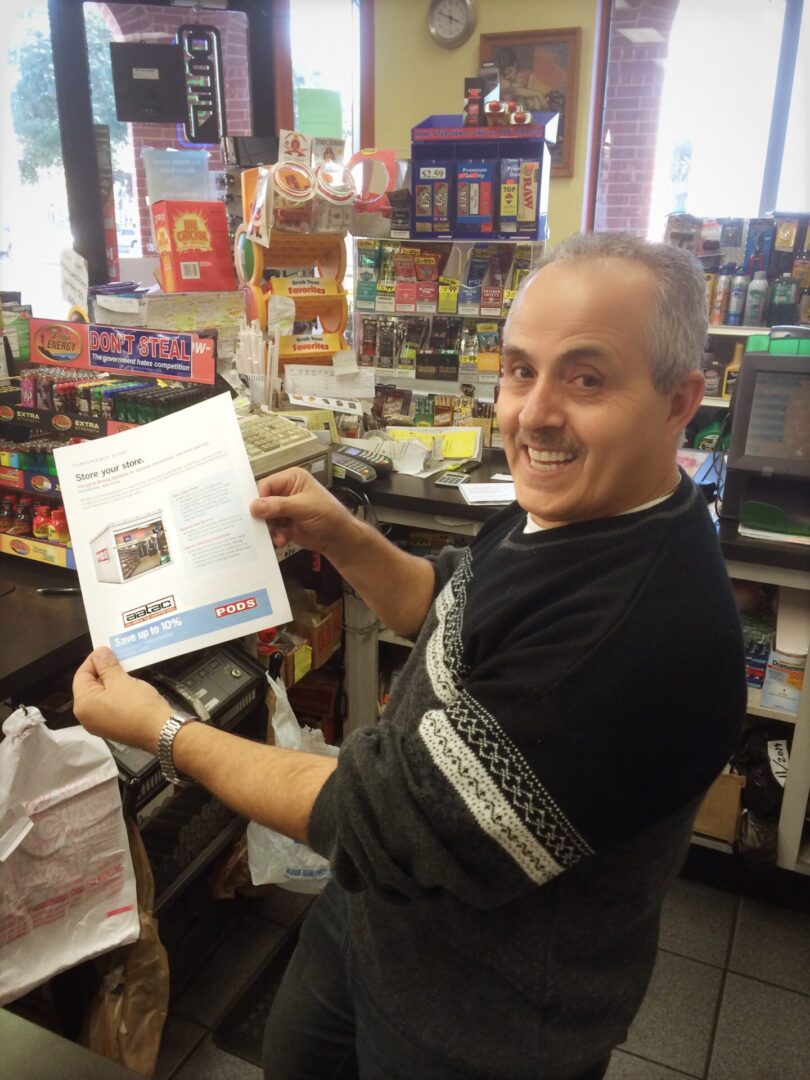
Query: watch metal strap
[[164, 749]]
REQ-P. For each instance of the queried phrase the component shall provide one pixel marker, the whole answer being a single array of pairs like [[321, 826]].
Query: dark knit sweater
[[506, 834]]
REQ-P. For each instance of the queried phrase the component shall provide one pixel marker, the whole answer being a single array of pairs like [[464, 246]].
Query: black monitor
[[770, 434]]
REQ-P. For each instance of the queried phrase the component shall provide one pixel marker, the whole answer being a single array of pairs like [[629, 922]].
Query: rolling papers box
[[510, 177], [474, 196], [432, 182]]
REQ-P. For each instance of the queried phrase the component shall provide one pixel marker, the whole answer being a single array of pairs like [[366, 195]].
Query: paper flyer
[[169, 558]]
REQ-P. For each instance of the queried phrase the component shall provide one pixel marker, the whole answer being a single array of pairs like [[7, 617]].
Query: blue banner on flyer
[[146, 352], [181, 626]]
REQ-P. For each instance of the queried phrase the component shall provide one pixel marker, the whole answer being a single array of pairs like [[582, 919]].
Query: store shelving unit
[[737, 331], [793, 846]]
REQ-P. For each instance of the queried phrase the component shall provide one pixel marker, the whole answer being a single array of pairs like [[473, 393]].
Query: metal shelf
[[756, 709], [425, 314], [738, 331], [210, 852], [715, 845]]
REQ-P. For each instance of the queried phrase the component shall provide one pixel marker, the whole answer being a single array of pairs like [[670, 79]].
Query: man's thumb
[[266, 508], [106, 665]]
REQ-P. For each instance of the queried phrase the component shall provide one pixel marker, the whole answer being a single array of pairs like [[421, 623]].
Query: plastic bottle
[[804, 307], [712, 374], [801, 269], [756, 301], [706, 438], [711, 284], [736, 300], [733, 370], [782, 311], [722, 295]]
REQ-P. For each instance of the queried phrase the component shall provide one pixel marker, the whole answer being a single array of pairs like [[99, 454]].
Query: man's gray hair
[[678, 323]]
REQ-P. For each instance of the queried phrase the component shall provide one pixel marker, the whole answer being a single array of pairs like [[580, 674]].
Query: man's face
[[586, 433]]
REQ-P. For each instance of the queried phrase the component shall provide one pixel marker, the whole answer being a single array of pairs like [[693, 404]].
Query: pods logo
[[236, 608]]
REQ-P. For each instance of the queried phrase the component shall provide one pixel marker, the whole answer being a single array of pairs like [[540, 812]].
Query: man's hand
[[396, 586], [298, 508], [110, 703]]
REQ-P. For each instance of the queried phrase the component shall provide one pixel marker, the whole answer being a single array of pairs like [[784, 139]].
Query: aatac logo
[[149, 610], [236, 608]]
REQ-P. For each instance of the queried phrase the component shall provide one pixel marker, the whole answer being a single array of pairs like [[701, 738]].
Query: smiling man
[[501, 842]]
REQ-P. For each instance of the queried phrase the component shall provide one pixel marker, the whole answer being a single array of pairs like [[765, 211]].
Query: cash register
[[767, 483]]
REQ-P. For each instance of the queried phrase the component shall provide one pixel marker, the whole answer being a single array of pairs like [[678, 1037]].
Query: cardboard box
[[193, 245], [474, 196], [317, 695], [323, 630], [719, 813]]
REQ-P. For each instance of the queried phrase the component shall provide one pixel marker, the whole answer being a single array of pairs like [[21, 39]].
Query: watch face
[[451, 21]]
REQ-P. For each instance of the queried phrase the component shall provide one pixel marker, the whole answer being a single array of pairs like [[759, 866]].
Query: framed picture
[[540, 70]]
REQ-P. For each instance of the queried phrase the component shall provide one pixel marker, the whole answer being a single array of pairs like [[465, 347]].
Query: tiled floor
[[729, 998]]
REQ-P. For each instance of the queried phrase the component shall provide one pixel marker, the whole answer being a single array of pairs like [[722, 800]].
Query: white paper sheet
[[324, 382], [169, 558], [488, 494], [408, 457]]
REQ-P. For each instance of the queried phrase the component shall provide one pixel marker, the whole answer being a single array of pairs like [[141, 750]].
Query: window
[[689, 108], [794, 180], [325, 46], [106, 22], [34, 224]]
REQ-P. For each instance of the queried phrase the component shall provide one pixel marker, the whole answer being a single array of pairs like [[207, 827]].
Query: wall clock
[[451, 22]]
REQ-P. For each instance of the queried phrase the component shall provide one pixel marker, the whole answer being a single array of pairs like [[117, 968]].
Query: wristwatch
[[168, 733]]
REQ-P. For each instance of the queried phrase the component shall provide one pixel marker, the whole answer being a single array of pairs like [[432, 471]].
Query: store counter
[[41, 634], [31, 1052], [425, 505], [423, 496]]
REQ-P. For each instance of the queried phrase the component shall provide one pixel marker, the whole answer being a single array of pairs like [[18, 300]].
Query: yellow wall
[[415, 78]]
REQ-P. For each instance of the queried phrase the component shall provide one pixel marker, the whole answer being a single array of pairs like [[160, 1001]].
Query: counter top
[[762, 552], [41, 635], [423, 496], [31, 1052]]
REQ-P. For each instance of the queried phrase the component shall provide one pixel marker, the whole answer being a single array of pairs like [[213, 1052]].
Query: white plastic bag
[[275, 859], [67, 888]]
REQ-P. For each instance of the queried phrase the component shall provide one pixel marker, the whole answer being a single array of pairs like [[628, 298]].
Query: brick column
[[635, 80]]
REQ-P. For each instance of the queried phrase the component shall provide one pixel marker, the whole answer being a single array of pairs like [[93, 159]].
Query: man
[[502, 840]]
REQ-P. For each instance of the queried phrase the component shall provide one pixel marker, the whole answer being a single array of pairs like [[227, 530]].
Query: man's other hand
[[110, 703], [296, 507]]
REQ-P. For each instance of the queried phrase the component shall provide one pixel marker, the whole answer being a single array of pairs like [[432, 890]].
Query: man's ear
[[685, 399]]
